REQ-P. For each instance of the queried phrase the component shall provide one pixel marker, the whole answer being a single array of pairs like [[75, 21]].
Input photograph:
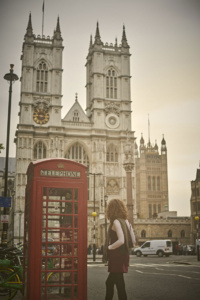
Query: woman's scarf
[[125, 247]]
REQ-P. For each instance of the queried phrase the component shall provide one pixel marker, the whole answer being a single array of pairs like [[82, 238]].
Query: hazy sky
[[164, 39]]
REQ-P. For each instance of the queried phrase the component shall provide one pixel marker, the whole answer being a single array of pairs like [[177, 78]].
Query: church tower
[[108, 84], [108, 107], [40, 105]]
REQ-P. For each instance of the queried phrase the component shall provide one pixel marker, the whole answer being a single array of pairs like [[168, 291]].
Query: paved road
[[150, 278]]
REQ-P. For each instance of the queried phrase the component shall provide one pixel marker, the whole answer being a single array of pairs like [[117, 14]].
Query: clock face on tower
[[41, 116], [112, 121]]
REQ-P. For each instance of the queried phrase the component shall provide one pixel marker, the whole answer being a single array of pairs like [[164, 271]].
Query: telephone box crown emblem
[[60, 166]]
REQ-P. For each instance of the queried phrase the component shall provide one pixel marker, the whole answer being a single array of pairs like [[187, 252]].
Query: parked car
[[155, 247]]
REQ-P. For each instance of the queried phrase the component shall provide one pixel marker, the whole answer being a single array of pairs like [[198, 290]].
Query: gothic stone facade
[[95, 138]]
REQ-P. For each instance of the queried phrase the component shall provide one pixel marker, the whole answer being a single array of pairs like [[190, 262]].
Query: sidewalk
[[186, 259], [177, 259], [98, 259]]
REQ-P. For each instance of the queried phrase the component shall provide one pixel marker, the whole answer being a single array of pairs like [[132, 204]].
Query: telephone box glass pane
[[76, 221], [60, 243], [76, 194], [75, 263], [60, 194], [76, 292], [75, 235], [60, 207], [76, 208], [75, 249], [59, 293], [75, 277]]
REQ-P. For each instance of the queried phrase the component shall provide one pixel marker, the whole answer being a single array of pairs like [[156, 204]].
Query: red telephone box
[[55, 231]]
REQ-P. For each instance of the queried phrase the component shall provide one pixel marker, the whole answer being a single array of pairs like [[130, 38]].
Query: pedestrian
[[120, 238]]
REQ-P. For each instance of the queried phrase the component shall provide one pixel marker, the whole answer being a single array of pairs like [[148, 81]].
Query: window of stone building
[[111, 84], [154, 208], [75, 116], [154, 183], [143, 234], [159, 208], [77, 153], [112, 153], [182, 233], [158, 183], [194, 206], [150, 211], [169, 234], [149, 183], [42, 78], [198, 207], [39, 151]]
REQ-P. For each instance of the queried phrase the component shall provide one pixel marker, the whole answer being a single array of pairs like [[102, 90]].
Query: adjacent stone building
[[151, 179], [154, 220], [195, 207]]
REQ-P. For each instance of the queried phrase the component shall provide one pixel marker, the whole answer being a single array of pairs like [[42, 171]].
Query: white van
[[159, 247]]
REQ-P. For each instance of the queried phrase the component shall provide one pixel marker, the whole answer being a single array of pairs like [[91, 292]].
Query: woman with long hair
[[119, 239]]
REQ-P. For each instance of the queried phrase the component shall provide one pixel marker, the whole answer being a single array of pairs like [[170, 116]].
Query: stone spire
[[90, 46], [163, 146], [124, 40], [29, 29], [57, 32], [76, 97], [97, 36]]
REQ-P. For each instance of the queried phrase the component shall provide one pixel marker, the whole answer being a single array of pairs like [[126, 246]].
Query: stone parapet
[[179, 220]]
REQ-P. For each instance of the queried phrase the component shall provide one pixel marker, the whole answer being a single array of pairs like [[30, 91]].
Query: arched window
[[143, 234], [39, 150], [154, 183], [150, 211], [169, 234], [158, 183], [111, 84], [76, 116], [42, 77], [112, 153], [149, 183], [77, 153], [182, 233]]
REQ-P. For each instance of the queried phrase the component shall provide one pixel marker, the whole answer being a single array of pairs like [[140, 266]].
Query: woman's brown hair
[[116, 209]]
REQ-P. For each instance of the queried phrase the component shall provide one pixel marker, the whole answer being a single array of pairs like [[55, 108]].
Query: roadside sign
[[5, 201], [4, 218]]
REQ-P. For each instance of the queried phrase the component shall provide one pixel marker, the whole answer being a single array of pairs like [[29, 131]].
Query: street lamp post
[[94, 214], [105, 205], [10, 77]]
